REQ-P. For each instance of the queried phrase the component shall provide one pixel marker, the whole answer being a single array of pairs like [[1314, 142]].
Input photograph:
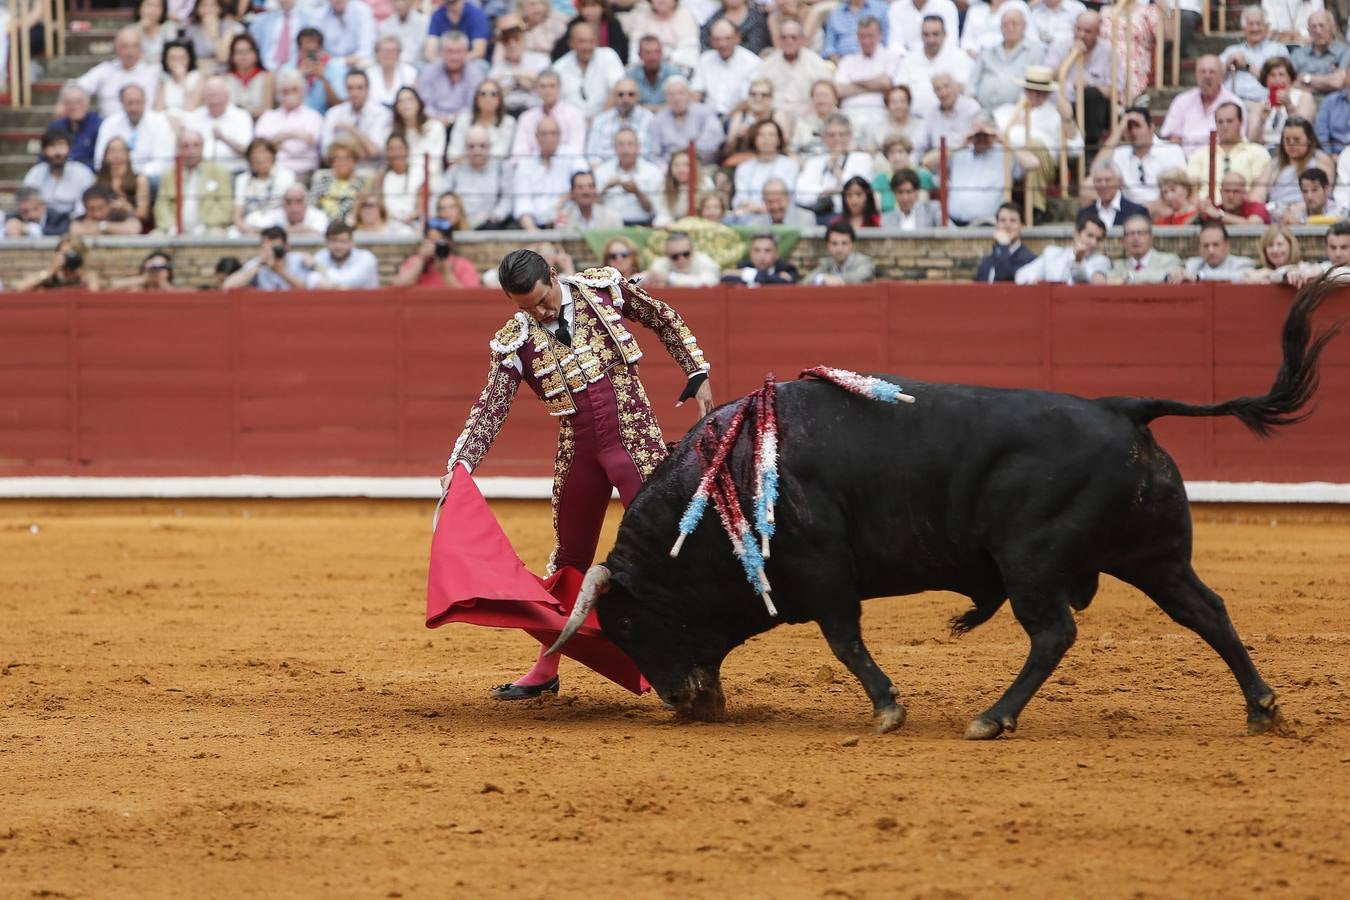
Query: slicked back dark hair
[[521, 270]]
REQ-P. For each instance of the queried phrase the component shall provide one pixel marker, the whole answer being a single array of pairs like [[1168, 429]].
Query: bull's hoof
[[888, 719], [1267, 721], [985, 729]]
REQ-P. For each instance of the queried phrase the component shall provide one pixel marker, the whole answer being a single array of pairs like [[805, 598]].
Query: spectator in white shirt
[[863, 78], [1289, 18], [1142, 159], [225, 128], [1080, 263], [295, 215], [683, 265], [1039, 131], [260, 188], [822, 176], [106, 80], [483, 182], [769, 163], [628, 183], [906, 23], [983, 26], [583, 210], [148, 134], [341, 265], [936, 57], [358, 119], [725, 71], [390, 72], [1053, 20], [588, 72], [542, 182], [408, 26], [792, 69]]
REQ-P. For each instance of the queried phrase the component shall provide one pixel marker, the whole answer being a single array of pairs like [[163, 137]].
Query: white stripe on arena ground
[[501, 488]]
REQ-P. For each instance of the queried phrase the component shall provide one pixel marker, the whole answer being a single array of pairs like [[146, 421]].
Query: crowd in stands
[[355, 119]]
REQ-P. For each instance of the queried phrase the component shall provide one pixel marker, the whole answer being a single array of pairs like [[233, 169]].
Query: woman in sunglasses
[[622, 254], [489, 112]]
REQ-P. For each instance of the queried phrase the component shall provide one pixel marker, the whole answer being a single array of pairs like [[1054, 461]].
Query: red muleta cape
[[475, 576]]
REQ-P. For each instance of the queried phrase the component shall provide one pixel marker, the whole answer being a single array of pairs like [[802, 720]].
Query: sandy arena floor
[[240, 699]]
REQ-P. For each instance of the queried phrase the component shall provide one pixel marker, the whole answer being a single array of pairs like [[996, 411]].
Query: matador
[[570, 342]]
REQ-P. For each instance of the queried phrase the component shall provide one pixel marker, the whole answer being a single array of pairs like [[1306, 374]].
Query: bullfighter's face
[[543, 302]]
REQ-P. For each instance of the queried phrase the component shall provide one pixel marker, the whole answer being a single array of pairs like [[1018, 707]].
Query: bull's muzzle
[[595, 583]]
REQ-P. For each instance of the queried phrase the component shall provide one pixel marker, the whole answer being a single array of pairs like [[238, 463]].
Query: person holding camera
[[435, 263], [341, 265], [156, 275], [273, 269], [66, 271]]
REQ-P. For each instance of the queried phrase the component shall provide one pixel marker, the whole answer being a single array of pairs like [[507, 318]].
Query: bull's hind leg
[[843, 631], [1045, 615], [1190, 602]]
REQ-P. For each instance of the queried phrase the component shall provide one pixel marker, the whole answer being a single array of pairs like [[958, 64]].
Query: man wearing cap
[[513, 66], [1037, 147], [975, 175], [1141, 159], [570, 342]]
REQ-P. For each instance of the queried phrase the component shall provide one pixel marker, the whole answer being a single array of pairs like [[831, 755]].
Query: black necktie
[[562, 333]]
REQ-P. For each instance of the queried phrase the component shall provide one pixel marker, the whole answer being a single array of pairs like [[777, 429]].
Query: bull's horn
[[593, 585]]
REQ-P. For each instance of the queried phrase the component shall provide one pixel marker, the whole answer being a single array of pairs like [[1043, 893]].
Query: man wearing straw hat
[[1034, 129]]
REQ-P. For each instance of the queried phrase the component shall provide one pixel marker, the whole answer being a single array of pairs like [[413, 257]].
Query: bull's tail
[[1286, 403]]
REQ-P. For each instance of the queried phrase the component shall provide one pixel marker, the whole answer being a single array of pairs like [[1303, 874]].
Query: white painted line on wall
[[498, 487]]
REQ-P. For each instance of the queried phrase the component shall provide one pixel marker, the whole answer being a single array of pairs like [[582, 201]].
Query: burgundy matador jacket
[[602, 347]]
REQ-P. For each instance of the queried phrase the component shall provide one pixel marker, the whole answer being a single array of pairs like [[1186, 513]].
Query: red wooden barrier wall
[[379, 383]]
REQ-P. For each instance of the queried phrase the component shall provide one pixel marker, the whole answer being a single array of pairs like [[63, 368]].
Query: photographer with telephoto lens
[[275, 268], [435, 263], [67, 270]]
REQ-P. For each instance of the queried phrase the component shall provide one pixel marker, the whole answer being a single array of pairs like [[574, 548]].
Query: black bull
[[1018, 495]]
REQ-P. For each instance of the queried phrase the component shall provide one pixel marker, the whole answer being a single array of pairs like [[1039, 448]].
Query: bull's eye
[[621, 628]]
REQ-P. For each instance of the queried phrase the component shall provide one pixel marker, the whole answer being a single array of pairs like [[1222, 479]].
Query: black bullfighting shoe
[[520, 692]]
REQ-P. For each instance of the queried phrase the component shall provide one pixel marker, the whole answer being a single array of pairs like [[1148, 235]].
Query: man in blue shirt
[[841, 28], [974, 175], [348, 29], [273, 269], [325, 76], [80, 122], [1333, 122], [465, 17]]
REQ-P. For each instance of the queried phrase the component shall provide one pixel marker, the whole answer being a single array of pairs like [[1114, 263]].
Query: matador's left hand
[[704, 398]]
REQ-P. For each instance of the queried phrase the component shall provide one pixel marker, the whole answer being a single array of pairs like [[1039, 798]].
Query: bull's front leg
[[844, 635]]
